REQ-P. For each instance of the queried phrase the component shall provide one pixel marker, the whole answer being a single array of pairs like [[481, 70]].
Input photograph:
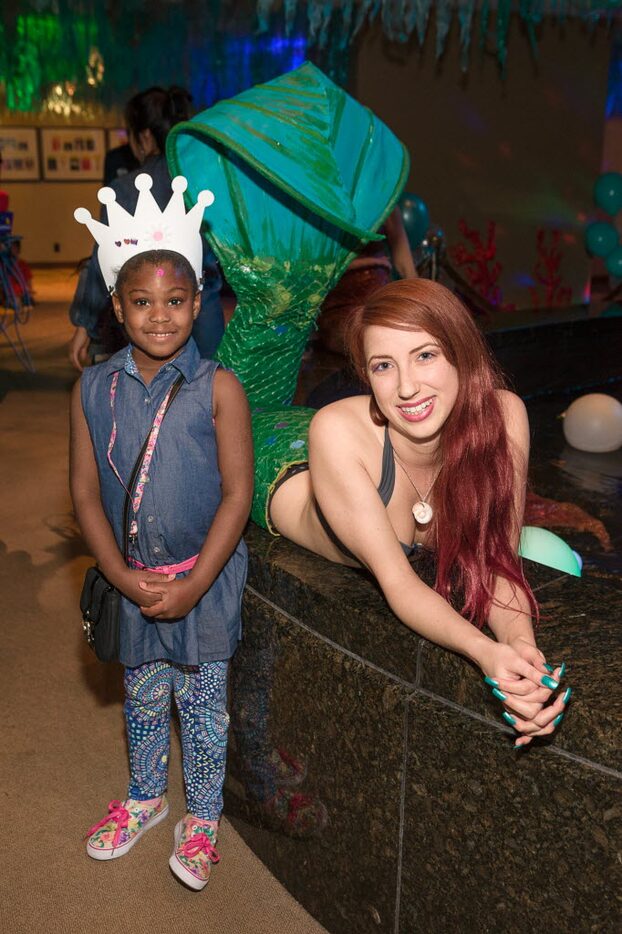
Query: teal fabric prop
[[545, 547], [303, 176]]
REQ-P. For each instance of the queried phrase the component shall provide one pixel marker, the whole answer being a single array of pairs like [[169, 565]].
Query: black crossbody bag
[[100, 602]]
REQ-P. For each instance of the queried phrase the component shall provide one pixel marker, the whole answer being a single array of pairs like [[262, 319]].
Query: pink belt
[[186, 565]]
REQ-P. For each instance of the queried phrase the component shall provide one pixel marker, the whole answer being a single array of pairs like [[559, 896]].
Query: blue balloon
[[601, 238], [614, 262], [416, 218], [608, 192]]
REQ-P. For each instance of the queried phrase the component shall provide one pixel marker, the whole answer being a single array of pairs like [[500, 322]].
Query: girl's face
[[413, 383], [157, 306]]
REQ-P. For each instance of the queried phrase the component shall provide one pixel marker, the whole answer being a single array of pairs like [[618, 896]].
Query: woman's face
[[414, 384]]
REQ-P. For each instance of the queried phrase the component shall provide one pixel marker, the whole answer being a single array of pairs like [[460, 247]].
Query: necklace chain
[[422, 511]]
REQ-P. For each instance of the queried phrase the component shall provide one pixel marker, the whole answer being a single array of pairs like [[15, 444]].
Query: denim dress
[[179, 501]]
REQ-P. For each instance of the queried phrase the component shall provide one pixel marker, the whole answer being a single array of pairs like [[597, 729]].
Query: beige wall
[[44, 216], [524, 152]]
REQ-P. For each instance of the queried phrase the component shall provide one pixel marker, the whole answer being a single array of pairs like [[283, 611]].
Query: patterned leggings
[[201, 699]]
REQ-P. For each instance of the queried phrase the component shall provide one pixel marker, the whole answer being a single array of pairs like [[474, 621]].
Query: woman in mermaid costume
[[437, 455]]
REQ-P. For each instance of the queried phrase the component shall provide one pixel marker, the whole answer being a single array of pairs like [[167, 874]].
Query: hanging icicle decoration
[[343, 20]]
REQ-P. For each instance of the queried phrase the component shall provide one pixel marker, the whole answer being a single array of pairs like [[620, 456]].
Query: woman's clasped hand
[[530, 690]]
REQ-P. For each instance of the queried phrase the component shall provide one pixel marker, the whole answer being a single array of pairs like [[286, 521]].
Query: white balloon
[[594, 423]]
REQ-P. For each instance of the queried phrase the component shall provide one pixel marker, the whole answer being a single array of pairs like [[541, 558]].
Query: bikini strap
[[387, 478]]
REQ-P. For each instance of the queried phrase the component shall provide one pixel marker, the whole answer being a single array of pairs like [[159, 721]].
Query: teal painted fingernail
[[518, 745], [549, 668], [558, 719], [491, 682], [508, 716], [497, 693], [567, 695], [549, 682], [562, 670]]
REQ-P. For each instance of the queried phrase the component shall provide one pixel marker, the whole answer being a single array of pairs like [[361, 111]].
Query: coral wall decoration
[[481, 267], [549, 293]]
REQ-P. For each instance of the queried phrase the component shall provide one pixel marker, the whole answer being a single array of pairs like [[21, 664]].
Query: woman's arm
[[510, 614], [350, 503], [235, 462], [86, 496]]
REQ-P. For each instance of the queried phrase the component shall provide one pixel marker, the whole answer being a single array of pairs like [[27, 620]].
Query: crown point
[[205, 198], [82, 215], [143, 182], [179, 183], [106, 196]]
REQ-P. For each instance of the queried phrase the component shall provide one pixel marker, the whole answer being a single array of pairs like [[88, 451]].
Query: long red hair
[[475, 521]]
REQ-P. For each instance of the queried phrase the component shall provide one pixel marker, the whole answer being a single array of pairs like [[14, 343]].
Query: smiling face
[[157, 304], [414, 384]]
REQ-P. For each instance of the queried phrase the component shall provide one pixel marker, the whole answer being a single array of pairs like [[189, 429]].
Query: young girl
[[183, 578]]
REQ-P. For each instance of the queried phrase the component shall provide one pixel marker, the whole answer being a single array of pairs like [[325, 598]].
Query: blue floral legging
[[201, 699]]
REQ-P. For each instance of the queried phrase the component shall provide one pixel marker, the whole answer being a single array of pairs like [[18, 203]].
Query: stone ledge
[[408, 809]]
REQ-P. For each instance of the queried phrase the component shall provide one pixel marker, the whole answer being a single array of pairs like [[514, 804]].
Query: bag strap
[[134, 477]]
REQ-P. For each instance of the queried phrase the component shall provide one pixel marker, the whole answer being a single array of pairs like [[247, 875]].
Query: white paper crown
[[149, 229]]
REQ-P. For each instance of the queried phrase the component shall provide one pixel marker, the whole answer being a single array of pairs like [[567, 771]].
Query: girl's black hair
[[154, 258], [157, 109]]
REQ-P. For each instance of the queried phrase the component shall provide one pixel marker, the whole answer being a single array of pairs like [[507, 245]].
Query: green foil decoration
[[401, 18]]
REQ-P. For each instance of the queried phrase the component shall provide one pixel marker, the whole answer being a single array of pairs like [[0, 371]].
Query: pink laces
[[117, 813], [200, 843]]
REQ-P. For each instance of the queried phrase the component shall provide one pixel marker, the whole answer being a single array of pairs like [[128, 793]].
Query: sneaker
[[289, 771], [116, 834], [294, 813], [194, 851]]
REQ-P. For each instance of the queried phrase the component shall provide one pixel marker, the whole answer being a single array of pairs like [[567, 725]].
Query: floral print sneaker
[[194, 851], [126, 822]]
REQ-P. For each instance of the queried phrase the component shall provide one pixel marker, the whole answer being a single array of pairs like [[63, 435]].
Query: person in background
[[371, 269], [119, 161], [149, 116]]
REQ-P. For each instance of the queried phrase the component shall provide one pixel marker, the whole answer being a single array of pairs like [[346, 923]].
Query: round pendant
[[422, 512]]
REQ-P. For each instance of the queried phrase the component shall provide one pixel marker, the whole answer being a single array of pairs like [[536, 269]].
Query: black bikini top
[[385, 490]]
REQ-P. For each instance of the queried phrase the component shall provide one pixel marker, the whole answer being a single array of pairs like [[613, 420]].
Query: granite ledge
[[346, 607]]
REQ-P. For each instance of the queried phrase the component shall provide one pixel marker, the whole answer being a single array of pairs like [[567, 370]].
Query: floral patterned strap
[[143, 475]]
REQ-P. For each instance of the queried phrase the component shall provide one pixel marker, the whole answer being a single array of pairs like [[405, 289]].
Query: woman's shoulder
[[514, 415], [351, 411], [512, 406], [342, 423]]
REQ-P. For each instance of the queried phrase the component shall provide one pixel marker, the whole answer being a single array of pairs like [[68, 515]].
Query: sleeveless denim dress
[[179, 501]]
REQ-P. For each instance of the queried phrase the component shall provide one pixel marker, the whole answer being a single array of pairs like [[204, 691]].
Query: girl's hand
[[131, 586], [173, 598]]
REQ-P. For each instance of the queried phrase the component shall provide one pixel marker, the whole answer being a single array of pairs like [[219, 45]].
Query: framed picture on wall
[[72, 154], [117, 137], [19, 148]]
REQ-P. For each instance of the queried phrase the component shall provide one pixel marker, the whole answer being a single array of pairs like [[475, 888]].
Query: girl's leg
[[201, 698], [147, 715]]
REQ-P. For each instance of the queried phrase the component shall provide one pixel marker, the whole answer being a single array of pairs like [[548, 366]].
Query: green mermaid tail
[[303, 176]]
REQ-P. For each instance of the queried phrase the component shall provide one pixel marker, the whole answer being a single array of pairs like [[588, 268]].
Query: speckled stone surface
[[401, 741], [345, 722], [499, 842]]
